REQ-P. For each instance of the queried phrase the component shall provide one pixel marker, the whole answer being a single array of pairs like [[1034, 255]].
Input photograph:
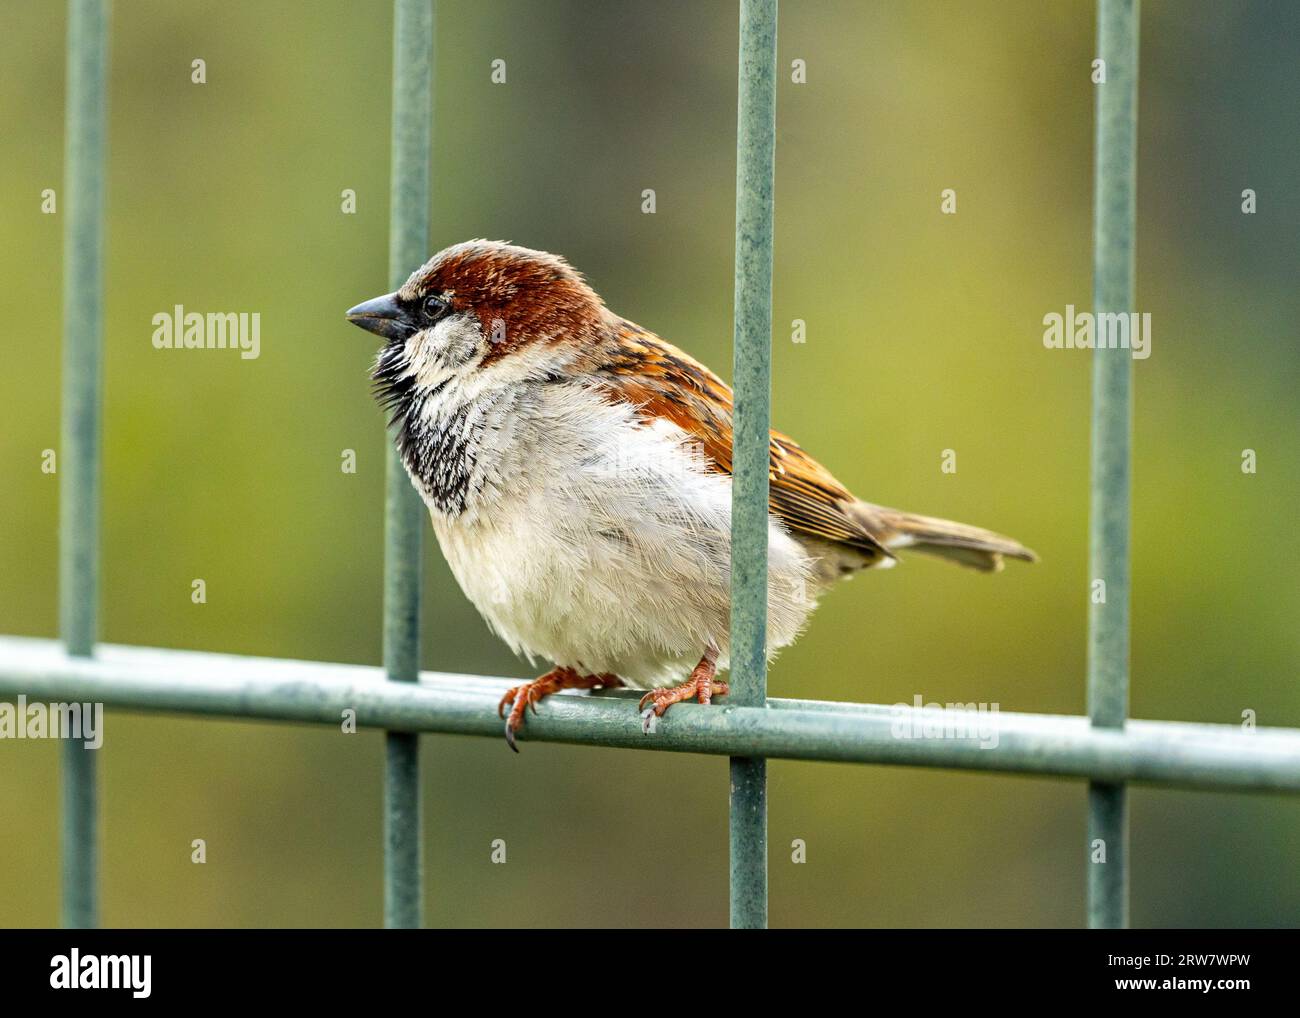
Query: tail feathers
[[957, 542]]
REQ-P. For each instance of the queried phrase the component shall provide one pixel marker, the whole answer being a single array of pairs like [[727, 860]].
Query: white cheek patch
[[529, 362], [439, 352], [449, 357]]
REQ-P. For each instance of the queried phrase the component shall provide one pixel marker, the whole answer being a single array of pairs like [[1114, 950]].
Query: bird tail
[[957, 542]]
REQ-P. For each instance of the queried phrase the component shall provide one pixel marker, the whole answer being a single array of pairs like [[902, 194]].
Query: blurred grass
[[924, 333]]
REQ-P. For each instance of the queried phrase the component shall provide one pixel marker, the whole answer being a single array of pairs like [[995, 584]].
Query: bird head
[[480, 315]]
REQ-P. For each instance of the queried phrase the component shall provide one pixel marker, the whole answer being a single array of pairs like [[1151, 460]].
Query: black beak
[[383, 316]]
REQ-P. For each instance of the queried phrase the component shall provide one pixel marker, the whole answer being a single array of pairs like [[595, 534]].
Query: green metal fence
[[83, 317], [1106, 748], [404, 522], [1114, 216]]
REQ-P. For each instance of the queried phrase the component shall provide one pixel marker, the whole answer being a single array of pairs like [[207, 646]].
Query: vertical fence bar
[[752, 372], [1112, 422], [408, 246], [83, 308]]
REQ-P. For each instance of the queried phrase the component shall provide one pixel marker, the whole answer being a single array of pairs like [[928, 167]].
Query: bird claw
[[517, 699], [520, 698], [509, 698], [701, 686]]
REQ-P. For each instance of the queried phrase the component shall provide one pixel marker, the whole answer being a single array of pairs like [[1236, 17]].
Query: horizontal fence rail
[[1171, 753]]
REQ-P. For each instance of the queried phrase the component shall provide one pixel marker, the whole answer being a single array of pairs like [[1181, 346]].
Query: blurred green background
[[924, 333]]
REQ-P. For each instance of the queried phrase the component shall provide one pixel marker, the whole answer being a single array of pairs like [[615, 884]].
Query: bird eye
[[433, 307]]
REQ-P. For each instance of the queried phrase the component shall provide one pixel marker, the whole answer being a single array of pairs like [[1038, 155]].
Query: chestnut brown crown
[[519, 295]]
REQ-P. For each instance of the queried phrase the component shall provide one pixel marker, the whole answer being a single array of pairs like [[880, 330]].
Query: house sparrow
[[577, 471]]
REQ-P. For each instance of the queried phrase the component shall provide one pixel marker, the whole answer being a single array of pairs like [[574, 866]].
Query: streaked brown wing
[[663, 381]]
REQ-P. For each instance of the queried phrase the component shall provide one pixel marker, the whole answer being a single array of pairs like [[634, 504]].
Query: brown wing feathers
[[665, 382], [662, 381]]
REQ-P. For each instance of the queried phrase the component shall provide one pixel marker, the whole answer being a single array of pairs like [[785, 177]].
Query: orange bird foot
[[701, 687], [521, 697]]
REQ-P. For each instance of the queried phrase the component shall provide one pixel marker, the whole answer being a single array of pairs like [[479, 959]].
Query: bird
[[577, 470]]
